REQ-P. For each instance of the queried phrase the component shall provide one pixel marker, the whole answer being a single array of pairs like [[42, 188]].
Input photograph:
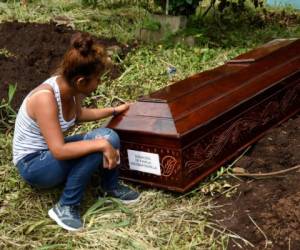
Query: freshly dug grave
[[273, 202], [34, 51]]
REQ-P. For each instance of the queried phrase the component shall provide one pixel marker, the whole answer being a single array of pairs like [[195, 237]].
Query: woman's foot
[[68, 217], [123, 193]]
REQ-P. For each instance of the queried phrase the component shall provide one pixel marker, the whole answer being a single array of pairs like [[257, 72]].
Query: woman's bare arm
[[89, 114], [45, 112]]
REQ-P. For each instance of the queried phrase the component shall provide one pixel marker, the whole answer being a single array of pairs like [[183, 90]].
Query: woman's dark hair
[[84, 58]]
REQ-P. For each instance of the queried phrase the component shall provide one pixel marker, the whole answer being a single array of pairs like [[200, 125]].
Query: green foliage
[[120, 22], [161, 220], [188, 7], [5, 150], [113, 4], [179, 7], [150, 24], [90, 2], [7, 113], [237, 5], [4, 52]]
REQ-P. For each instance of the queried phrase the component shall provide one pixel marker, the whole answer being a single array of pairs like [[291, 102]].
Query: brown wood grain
[[199, 123]]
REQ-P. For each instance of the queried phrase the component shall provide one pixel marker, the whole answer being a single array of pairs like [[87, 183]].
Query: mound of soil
[[36, 50], [272, 203], [260, 210]]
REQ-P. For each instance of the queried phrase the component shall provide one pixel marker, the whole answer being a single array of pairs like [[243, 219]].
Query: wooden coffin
[[178, 135]]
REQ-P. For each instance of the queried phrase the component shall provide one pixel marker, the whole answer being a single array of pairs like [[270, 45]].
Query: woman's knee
[[106, 133], [114, 139]]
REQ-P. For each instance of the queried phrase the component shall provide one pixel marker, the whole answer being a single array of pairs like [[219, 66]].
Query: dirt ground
[[273, 203], [260, 210], [36, 51]]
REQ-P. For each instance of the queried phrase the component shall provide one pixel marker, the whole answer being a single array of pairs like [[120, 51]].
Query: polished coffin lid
[[187, 105]]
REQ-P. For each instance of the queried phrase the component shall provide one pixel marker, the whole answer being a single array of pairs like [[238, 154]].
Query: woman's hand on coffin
[[121, 108]]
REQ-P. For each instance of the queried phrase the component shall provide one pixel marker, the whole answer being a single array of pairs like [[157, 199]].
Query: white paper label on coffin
[[144, 162]]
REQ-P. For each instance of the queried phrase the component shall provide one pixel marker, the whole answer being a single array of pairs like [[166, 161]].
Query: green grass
[[120, 22], [161, 220], [145, 69], [4, 52]]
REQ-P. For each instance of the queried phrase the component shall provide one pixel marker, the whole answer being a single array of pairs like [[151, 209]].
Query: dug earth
[[266, 211]]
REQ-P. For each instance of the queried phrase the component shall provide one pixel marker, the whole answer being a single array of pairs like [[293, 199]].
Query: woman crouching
[[45, 158]]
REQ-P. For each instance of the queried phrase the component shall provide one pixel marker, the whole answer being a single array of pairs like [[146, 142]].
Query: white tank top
[[27, 136]]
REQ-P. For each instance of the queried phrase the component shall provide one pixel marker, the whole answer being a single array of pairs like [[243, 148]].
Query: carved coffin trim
[[210, 117], [267, 112]]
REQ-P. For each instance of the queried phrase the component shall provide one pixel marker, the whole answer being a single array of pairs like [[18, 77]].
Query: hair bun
[[82, 42]]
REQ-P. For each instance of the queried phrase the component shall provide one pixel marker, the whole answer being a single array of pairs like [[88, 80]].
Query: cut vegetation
[[161, 220]]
